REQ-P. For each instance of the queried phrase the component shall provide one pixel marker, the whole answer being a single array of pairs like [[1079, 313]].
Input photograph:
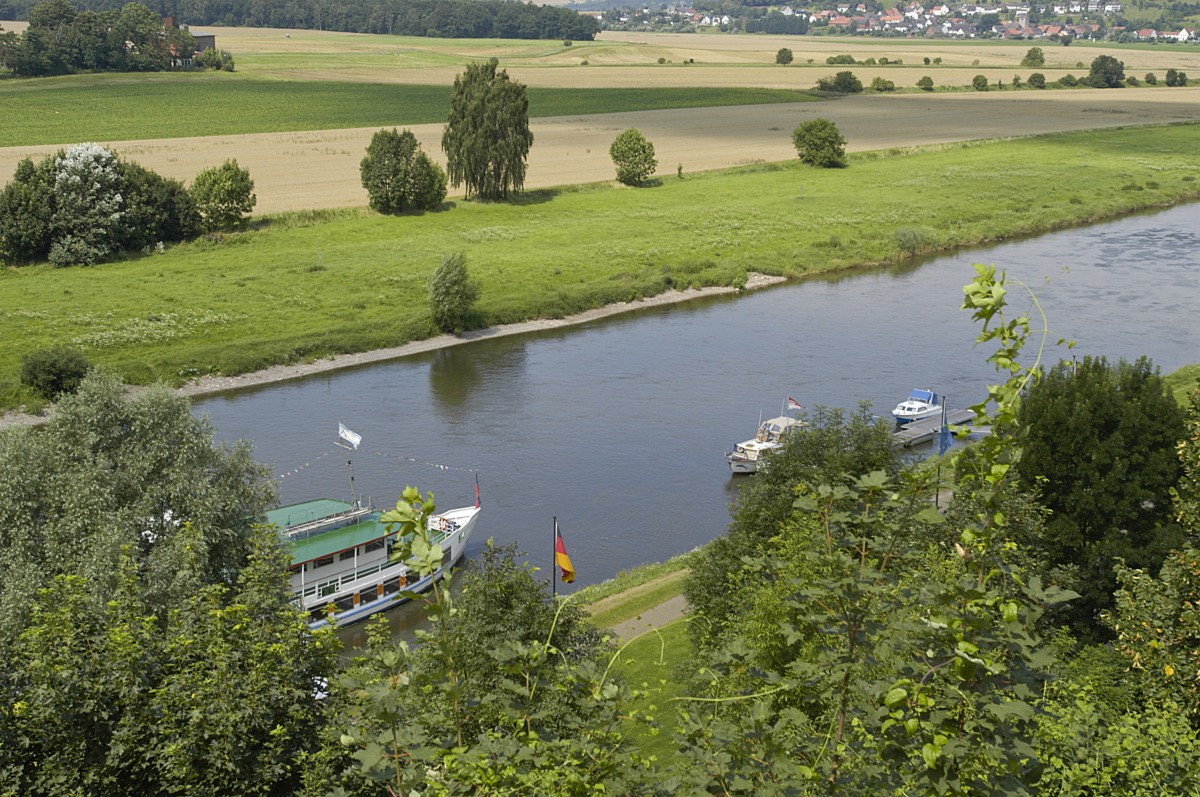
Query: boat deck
[[922, 431]]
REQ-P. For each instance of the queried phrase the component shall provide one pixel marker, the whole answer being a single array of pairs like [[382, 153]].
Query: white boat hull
[[906, 417]]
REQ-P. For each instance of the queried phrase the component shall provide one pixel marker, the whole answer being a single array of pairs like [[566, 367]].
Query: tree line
[[506, 19], [1035, 637], [60, 40]]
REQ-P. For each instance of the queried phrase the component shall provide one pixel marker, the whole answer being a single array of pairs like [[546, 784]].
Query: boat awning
[[927, 396], [329, 542]]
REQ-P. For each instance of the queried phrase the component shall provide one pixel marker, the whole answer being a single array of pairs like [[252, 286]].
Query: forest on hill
[[451, 19]]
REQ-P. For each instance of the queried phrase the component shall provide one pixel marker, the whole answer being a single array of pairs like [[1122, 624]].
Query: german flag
[[560, 557]]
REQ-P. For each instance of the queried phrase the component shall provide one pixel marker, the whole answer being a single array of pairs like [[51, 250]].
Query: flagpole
[[937, 492], [553, 563]]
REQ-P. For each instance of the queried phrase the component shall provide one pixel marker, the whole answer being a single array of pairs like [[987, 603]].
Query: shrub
[[1034, 57], [911, 240], [820, 143], [55, 371], [1176, 78], [937, 61], [840, 59], [841, 83], [925, 83], [1037, 80], [926, 60], [633, 156], [783, 56], [398, 176], [223, 194], [980, 83], [1151, 79], [882, 84], [1132, 81], [452, 293], [1068, 80]]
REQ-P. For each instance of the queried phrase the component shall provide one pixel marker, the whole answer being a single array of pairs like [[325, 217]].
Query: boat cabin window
[[375, 545], [347, 555], [324, 560]]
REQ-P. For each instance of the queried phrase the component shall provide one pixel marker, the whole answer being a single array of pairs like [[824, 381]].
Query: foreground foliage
[[398, 176]]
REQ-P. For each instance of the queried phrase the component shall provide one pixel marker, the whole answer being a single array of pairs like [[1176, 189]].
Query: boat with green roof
[[342, 569]]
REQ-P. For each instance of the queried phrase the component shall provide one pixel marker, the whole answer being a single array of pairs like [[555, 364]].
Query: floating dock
[[922, 431]]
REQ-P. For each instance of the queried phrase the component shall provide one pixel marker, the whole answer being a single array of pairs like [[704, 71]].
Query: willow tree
[[487, 136]]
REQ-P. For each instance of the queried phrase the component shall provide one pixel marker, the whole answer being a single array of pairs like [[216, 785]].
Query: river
[[618, 427]]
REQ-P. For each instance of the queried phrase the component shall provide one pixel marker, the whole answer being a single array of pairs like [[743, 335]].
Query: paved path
[[658, 616]]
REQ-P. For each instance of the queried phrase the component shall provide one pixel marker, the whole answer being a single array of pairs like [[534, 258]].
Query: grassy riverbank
[[304, 286]]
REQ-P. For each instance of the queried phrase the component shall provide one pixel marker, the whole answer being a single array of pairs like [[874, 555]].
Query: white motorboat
[[746, 456], [919, 404]]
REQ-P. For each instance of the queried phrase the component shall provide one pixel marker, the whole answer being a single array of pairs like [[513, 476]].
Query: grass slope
[[115, 107], [306, 286]]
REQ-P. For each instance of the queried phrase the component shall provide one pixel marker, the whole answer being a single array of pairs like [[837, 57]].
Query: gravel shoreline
[[210, 385]]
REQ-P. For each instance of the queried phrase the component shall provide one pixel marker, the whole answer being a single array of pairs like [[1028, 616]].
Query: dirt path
[[319, 169]]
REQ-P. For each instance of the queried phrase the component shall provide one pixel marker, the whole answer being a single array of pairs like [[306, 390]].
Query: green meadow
[[117, 108], [304, 286]]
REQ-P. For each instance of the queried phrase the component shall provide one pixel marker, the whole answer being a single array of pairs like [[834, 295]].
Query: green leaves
[[487, 136]]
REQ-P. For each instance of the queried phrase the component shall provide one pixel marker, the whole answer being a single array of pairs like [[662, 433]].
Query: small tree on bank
[[223, 195], [452, 293], [980, 83], [398, 176], [633, 156], [1037, 81], [820, 143], [1034, 57], [487, 136], [783, 56], [925, 83]]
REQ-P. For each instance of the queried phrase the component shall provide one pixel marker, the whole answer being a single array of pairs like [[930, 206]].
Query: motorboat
[[746, 456], [919, 404]]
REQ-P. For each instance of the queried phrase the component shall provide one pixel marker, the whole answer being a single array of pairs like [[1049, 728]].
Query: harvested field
[[319, 169]]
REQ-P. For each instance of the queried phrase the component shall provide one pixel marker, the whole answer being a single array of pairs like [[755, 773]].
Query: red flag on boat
[[560, 557], [793, 404]]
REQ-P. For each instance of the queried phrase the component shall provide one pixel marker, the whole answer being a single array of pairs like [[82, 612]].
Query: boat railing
[[310, 527]]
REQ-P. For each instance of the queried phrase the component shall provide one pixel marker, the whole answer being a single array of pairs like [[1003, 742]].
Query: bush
[[1034, 57], [840, 59], [451, 293], [398, 176], [1132, 81], [1176, 78], [1068, 80], [215, 59], [912, 240], [223, 194], [820, 143], [1037, 80], [980, 83], [841, 83], [1151, 79], [783, 56], [633, 156], [925, 83], [882, 84], [55, 371]]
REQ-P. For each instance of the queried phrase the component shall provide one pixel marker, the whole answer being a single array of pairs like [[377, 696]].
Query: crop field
[[121, 107], [310, 285], [319, 169]]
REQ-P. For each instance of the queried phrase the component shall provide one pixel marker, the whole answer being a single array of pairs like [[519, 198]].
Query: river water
[[619, 427]]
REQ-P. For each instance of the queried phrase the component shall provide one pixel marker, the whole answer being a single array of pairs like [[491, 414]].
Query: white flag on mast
[[350, 437]]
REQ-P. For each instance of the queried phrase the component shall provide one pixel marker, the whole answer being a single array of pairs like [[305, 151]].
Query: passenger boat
[[341, 568], [746, 456], [919, 404]]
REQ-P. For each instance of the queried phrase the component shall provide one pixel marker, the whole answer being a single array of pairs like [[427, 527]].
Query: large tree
[[398, 176], [1101, 453], [487, 136], [1107, 72]]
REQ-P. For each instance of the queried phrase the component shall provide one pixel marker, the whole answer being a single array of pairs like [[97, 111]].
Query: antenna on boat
[[352, 439]]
